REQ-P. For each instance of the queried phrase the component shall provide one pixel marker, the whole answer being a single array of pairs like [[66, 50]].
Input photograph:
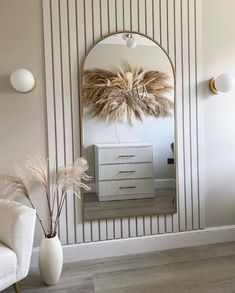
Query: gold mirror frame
[[81, 137]]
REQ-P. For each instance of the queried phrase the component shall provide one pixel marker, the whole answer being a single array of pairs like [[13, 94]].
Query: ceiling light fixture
[[131, 42]]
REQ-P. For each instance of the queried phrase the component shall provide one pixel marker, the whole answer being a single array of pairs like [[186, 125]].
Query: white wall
[[218, 33], [22, 116]]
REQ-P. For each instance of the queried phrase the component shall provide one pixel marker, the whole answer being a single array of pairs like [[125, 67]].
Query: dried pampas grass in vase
[[127, 95], [68, 180]]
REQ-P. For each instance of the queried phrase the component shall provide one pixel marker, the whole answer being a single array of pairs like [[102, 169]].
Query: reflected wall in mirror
[[128, 117]]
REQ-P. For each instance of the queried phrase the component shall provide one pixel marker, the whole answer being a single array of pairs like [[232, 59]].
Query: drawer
[[124, 187], [125, 155], [125, 171]]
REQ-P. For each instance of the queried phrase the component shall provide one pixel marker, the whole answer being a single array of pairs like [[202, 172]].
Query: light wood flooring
[[201, 269], [162, 203]]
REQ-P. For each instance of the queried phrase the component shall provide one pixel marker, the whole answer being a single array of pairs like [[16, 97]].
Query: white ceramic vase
[[50, 260]]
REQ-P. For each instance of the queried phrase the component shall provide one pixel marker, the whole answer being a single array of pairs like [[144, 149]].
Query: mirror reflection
[[128, 128]]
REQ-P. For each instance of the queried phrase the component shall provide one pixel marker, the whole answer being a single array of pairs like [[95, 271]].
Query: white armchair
[[17, 223]]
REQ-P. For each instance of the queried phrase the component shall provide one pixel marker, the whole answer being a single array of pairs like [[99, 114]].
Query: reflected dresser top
[[123, 145]]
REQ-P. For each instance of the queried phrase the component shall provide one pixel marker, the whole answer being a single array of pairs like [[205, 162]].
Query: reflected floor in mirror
[[162, 203]]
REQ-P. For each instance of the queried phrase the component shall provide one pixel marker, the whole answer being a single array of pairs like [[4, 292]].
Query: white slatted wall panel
[[71, 27]]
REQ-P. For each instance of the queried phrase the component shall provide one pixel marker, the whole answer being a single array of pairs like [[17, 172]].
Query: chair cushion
[[8, 261]]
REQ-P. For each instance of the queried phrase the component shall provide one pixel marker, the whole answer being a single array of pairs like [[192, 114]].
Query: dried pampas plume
[[37, 168], [16, 182], [126, 95], [72, 176]]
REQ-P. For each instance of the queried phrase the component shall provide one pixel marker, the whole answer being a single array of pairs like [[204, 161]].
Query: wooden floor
[[200, 269]]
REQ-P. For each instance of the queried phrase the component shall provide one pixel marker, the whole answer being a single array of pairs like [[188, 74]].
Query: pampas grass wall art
[[126, 95]]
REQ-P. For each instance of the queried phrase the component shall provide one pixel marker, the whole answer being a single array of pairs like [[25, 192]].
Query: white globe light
[[22, 80], [131, 42], [224, 83]]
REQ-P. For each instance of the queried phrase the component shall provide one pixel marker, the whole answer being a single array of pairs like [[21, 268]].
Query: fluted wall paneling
[[71, 27]]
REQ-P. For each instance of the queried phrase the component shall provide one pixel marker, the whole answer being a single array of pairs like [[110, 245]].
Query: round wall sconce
[[131, 42], [223, 83], [22, 80]]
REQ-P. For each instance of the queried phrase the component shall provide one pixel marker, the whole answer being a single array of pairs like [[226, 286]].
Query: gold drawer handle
[[131, 171], [126, 156], [127, 187]]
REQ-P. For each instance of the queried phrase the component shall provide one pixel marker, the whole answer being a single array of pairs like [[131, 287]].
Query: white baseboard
[[110, 248]]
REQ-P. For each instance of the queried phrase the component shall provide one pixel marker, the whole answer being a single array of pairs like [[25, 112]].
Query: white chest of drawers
[[124, 171]]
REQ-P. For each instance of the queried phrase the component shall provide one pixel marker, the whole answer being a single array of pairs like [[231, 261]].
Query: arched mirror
[[128, 128]]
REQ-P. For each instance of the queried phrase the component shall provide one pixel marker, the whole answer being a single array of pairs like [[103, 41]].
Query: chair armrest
[[17, 223]]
